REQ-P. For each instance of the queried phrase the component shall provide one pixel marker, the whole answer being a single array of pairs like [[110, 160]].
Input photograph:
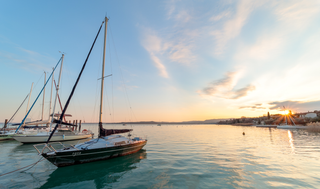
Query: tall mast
[[28, 100], [44, 92], [57, 90], [51, 94], [102, 77]]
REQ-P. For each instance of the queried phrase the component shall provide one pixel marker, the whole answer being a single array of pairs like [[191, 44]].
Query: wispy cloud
[[297, 14], [30, 61], [220, 16], [155, 47], [225, 87], [242, 92], [232, 27], [254, 107], [221, 84], [295, 105], [159, 65]]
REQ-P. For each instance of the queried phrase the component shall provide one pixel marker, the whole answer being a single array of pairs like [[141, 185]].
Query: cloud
[[215, 86], [182, 16], [155, 47], [220, 16], [31, 61], [255, 107], [232, 27], [162, 69], [176, 47], [242, 92], [295, 105], [297, 14], [224, 88]]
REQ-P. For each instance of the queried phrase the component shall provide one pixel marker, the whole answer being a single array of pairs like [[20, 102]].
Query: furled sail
[[106, 132]]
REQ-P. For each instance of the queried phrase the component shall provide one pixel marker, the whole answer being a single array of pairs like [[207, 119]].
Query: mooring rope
[[33, 164]]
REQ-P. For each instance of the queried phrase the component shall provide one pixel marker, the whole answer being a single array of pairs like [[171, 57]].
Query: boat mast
[[51, 95], [28, 101], [44, 92], [57, 90], [102, 77]]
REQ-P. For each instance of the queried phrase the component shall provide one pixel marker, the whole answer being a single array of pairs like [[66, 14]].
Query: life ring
[[84, 130]]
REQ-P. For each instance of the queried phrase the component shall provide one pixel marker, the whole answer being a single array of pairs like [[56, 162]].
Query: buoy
[[243, 133]]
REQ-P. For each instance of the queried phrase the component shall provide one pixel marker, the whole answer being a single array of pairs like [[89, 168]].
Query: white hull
[[291, 127], [44, 138]]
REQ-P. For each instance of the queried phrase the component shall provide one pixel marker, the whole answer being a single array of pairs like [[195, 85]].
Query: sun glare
[[286, 112]]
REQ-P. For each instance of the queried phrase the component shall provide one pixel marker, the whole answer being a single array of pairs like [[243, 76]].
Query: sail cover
[[106, 132]]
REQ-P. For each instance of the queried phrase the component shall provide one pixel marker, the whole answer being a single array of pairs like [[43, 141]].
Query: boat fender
[[63, 137]]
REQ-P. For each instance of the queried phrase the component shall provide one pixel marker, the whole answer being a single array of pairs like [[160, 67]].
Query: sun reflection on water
[[291, 142]]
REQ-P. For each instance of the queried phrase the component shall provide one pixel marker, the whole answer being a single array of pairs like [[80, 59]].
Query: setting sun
[[286, 112]]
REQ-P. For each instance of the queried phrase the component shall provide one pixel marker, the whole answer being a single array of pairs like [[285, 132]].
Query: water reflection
[[270, 132], [23, 148], [100, 172], [291, 141]]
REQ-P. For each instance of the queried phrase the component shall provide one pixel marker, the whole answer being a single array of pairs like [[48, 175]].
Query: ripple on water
[[193, 156]]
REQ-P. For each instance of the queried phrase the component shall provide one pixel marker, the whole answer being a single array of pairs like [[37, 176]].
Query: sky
[[170, 60]]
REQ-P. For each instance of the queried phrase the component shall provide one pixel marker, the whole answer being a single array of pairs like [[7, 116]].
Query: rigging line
[[108, 105], [37, 97], [123, 83], [112, 100], [24, 167], [121, 73], [74, 87], [18, 108], [64, 117], [34, 88], [95, 102], [97, 92]]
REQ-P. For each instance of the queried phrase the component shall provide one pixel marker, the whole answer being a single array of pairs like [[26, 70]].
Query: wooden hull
[[55, 138], [67, 158]]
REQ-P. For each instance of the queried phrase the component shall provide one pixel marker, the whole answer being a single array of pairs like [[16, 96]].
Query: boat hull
[[5, 137], [67, 158], [55, 138], [291, 127]]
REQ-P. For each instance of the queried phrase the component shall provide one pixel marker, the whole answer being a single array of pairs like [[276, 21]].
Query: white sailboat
[[61, 134]]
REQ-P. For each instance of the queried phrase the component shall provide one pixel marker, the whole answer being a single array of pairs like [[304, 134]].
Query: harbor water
[[180, 156]]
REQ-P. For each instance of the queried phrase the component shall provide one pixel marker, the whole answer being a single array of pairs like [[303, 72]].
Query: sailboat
[[61, 134], [5, 132], [107, 145]]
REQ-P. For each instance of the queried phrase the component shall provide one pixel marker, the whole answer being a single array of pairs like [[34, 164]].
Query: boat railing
[[50, 147]]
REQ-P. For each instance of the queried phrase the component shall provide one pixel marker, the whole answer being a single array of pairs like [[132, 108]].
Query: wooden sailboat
[[107, 145]]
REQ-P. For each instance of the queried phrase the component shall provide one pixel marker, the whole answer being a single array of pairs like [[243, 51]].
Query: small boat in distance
[[107, 145], [291, 127]]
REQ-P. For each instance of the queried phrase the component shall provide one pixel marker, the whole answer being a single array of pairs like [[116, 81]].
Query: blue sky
[[179, 60]]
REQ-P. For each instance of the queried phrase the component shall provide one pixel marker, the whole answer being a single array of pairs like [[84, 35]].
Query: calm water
[[193, 156]]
